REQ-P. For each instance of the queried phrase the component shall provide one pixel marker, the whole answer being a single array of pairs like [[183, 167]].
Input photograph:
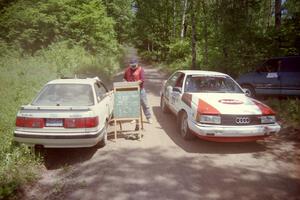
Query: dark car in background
[[276, 76]]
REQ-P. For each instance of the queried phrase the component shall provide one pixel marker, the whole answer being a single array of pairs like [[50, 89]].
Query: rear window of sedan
[[65, 95], [211, 84]]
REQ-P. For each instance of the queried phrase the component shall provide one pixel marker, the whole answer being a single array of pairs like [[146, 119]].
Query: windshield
[[65, 95], [211, 84]]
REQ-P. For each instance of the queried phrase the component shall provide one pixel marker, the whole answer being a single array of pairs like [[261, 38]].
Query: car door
[[102, 105], [267, 78], [290, 76], [173, 90]]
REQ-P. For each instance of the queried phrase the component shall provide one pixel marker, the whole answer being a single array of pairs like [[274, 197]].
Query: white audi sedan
[[212, 106], [67, 113]]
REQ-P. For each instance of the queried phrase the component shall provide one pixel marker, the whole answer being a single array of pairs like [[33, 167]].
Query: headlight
[[268, 119], [210, 119]]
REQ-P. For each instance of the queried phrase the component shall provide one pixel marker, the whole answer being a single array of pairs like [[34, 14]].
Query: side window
[[172, 80], [272, 66], [179, 81], [176, 80], [100, 91], [291, 65]]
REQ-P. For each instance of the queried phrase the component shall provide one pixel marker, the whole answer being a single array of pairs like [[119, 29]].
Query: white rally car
[[66, 113], [212, 106]]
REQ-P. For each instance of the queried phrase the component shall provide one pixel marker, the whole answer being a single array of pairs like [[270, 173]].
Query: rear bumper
[[233, 133], [59, 140]]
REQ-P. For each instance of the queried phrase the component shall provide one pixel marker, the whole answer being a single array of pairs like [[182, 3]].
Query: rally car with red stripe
[[212, 106]]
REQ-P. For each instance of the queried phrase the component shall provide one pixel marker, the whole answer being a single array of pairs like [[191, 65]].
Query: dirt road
[[164, 166]]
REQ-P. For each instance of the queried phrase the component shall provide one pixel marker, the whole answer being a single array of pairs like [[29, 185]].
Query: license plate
[[54, 122]]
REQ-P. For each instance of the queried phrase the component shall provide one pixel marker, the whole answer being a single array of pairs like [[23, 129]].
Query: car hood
[[228, 103]]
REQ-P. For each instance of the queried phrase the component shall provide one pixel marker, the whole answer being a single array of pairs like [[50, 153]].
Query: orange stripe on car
[[266, 110], [207, 109]]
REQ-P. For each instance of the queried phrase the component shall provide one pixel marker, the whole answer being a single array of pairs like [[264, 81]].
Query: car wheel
[[184, 129], [249, 90], [164, 106]]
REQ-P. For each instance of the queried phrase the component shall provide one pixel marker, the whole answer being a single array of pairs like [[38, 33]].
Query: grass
[[22, 76], [287, 110]]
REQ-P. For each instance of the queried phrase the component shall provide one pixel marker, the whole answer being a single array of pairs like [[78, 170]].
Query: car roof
[[283, 57], [73, 81], [202, 72]]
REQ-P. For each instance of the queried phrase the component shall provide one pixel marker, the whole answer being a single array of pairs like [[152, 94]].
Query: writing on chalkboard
[[127, 104]]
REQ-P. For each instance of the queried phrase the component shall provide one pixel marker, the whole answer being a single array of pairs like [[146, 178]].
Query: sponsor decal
[[187, 99], [230, 101]]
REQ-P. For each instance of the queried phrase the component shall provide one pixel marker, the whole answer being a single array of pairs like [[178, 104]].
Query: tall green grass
[[21, 77], [287, 110]]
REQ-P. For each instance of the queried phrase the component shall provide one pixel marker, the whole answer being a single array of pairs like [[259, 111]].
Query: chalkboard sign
[[126, 100], [127, 104]]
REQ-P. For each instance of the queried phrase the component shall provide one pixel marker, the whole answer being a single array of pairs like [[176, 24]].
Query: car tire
[[249, 90], [164, 106], [184, 129]]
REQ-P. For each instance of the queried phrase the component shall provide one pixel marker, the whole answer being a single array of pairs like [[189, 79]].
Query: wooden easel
[[130, 86]]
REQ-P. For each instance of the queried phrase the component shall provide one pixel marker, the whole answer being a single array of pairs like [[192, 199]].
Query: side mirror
[[177, 89]]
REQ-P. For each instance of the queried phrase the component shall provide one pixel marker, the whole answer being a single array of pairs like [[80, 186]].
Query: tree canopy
[[231, 35]]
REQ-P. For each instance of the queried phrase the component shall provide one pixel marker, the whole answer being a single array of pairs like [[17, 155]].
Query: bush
[[179, 50], [288, 110]]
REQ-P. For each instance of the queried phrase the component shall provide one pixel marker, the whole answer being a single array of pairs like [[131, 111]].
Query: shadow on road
[[153, 173], [168, 121], [57, 158]]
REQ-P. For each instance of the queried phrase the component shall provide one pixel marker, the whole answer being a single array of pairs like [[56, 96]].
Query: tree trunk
[[277, 14], [174, 18], [183, 19], [205, 61], [270, 6], [194, 55]]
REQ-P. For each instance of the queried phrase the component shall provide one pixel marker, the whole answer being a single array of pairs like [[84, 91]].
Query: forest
[[41, 40], [231, 36]]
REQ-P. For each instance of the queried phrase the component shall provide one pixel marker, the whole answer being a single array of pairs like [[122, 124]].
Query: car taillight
[[91, 122], [20, 121], [88, 122], [74, 123], [30, 122]]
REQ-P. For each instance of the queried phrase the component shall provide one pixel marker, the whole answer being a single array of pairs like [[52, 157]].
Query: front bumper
[[233, 133], [59, 140]]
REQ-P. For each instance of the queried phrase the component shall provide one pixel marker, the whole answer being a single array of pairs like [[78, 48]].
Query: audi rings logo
[[242, 120]]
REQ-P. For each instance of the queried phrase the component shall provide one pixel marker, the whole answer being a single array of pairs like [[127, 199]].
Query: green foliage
[[288, 110], [36, 24], [232, 36], [122, 13], [44, 40], [178, 50]]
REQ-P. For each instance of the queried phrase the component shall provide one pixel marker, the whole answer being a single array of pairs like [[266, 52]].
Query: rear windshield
[[211, 84], [65, 95]]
